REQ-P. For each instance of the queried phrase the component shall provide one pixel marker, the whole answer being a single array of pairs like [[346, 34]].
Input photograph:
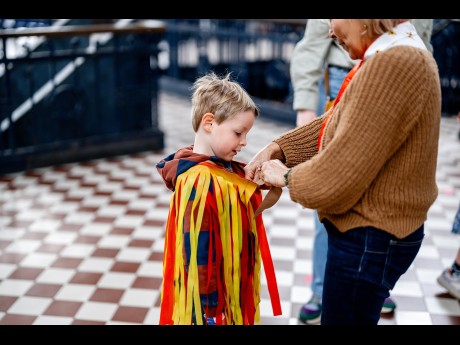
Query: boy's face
[[229, 137]]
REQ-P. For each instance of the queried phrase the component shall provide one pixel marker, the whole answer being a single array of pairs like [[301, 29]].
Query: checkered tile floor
[[82, 243]]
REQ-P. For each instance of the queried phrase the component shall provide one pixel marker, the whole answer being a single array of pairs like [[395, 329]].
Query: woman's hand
[[252, 169], [272, 173]]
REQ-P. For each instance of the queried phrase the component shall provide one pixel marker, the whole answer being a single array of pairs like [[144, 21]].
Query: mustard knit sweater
[[377, 163]]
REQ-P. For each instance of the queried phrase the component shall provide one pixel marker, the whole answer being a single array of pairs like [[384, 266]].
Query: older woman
[[368, 165]]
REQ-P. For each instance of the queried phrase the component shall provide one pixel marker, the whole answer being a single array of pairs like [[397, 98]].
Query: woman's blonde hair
[[220, 96], [377, 27]]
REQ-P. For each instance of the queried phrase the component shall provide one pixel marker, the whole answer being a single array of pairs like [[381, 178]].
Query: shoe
[[451, 282], [389, 306], [310, 313]]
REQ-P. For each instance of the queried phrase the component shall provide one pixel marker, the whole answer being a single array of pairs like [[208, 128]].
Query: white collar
[[404, 34]]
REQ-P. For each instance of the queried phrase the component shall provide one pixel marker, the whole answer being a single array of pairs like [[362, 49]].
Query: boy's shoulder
[[234, 175]]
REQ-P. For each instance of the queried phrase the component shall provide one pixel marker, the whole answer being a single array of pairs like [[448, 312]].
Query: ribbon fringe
[[236, 199]]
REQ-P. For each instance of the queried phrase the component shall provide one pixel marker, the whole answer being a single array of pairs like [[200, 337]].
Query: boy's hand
[[252, 169]]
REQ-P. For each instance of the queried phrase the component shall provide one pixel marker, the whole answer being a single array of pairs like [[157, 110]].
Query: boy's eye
[[238, 133]]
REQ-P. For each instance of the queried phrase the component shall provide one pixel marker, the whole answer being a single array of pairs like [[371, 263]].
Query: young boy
[[214, 245]]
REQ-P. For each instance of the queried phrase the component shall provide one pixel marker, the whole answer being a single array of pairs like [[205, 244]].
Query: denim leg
[[363, 265], [336, 77], [319, 257], [456, 223], [321, 97]]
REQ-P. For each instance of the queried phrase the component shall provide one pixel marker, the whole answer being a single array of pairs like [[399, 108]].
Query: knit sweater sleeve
[[300, 144], [374, 119]]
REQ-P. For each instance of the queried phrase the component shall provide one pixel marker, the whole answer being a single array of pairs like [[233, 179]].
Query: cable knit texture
[[377, 163]]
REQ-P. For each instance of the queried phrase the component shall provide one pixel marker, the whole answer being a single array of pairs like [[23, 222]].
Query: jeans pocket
[[401, 254]]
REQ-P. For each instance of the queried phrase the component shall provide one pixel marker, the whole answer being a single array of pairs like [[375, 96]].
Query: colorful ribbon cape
[[234, 200]]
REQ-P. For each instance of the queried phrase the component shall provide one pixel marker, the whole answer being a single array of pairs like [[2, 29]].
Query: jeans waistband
[[340, 67]]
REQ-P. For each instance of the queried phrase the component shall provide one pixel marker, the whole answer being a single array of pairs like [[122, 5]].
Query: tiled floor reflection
[[82, 243]]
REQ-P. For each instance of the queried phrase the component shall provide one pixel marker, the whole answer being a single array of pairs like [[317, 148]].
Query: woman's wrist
[[275, 151]]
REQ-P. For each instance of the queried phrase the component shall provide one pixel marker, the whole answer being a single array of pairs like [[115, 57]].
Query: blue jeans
[[456, 223], [363, 265], [336, 76]]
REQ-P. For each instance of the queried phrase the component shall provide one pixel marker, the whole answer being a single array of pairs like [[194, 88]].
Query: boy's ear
[[206, 121]]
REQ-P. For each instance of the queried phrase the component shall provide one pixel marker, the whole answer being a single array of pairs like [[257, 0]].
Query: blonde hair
[[377, 27], [220, 96]]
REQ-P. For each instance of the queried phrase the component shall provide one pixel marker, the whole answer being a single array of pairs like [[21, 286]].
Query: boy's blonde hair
[[220, 96]]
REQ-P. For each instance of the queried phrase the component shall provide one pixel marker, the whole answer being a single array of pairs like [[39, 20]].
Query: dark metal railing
[[257, 52], [78, 92]]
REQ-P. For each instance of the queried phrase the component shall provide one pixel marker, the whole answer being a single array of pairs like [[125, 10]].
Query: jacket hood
[[176, 163]]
